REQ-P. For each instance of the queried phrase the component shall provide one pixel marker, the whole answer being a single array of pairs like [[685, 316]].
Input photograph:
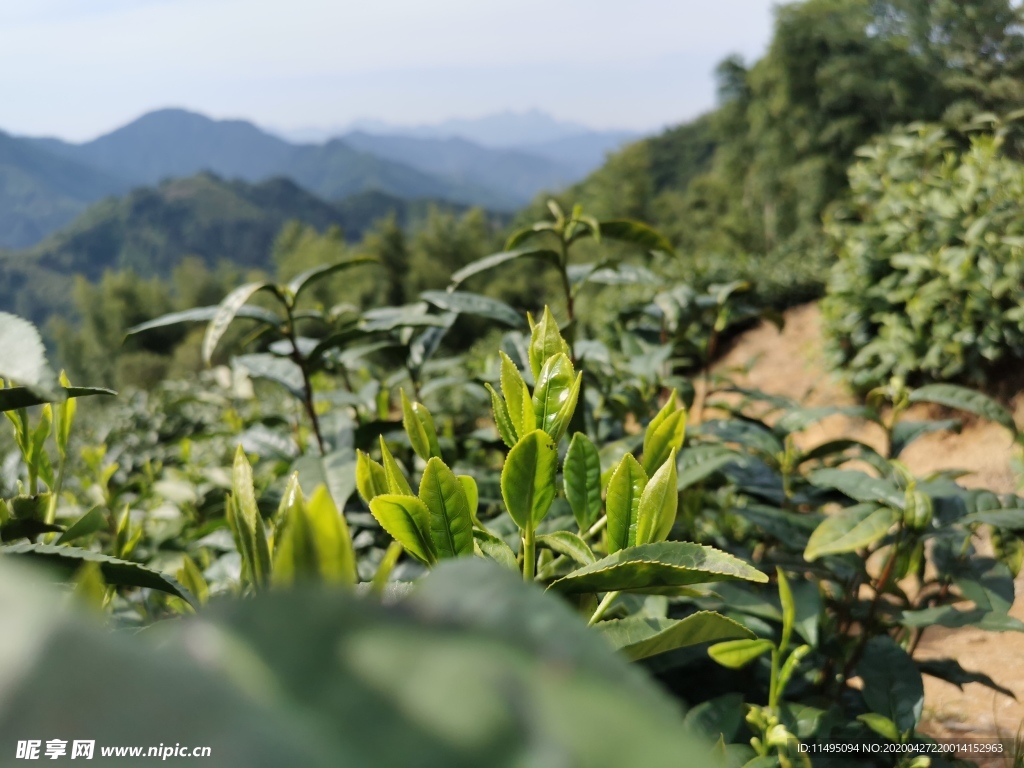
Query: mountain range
[[150, 229], [45, 182]]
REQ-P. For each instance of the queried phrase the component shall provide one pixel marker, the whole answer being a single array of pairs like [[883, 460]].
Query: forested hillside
[[741, 191]]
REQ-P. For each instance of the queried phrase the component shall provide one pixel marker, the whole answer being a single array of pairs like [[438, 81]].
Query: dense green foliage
[[347, 448], [930, 269], [741, 191]]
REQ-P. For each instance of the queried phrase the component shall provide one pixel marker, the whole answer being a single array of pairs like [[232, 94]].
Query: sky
[[79, 68]]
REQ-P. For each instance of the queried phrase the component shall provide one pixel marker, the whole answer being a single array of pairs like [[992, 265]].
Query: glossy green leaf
[[581, 477], [393, 473], [256, 552], [14, 398], [419, 426], [464, 303], [545, 341], [736, 654], [517, 398], [636, 233], [496, 259], [407, 520], [192, 579], [659, 502], [502, 420], [472, 494], [333, 541], [451, 526], [117, 572], [849, 530], [496, 549], [640, 637], [664, 434], [87, 524], [965, 399], [528, 478], [622, 504], [654, 566], [371, 479], [226, 312], [554, 397], [568, 544]]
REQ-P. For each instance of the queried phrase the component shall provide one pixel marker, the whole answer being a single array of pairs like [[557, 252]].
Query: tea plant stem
[[596, 528], [529, 555], [602, 608], [307, 386], [773, 686]]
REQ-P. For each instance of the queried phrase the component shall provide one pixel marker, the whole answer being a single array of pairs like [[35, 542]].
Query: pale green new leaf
[[622, 504], [517, 398], [472, 495], [496, 549], [736, 654], [371, 478], [419, 426], [568, 544], [659, 503], [337, 558], [581, 477], [640, 637], [528, 478], [664, 434], [393, 473], [555, 395], [652, 567], [248, 520], [502, 420], [788, 610], [451, 526], [545, 341], [407, 520]]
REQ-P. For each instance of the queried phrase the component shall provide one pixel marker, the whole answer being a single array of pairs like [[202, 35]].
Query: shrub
[[930, 266]]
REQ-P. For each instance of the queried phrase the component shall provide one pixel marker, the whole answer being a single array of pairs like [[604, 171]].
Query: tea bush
[[930, 270], [455, 558]]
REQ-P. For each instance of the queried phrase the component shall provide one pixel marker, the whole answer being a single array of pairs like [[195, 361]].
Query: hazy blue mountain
[[176, 143], [516, 173], [336, 170], [151, 229], [504, 130], [172, 143], [582, 152], [41, 192]]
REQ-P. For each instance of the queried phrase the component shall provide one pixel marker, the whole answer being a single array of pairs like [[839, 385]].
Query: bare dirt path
[[791, 363]]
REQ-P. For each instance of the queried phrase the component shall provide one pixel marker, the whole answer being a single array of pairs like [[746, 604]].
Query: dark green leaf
[[122, 573], [582, 480], [965, 399], [850, 529], [640, 637], [637, 233], [14, 398], [892, 683]]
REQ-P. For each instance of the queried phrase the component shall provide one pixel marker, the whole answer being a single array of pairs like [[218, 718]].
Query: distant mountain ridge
[[151, 229], [45, 182]]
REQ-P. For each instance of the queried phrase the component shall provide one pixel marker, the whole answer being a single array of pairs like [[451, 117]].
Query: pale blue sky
[[78, 68]]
